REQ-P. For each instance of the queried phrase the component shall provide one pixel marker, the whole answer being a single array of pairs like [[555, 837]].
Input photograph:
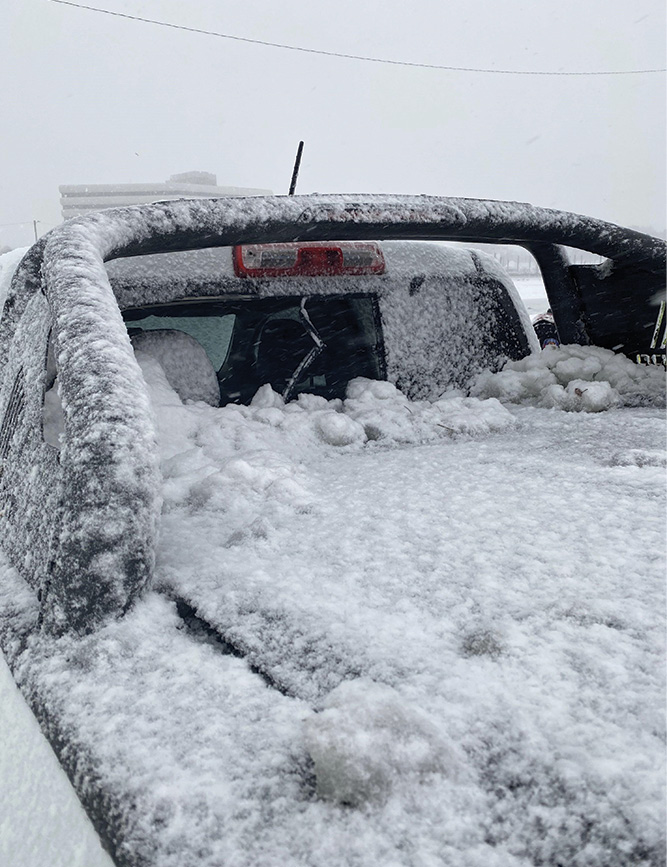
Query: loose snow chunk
[[367, 739], [370, 390], [467, 415], [337, 429], [267, 398], [387, 414], [576, 368], [310, 402], [581, 396], [574, 378]]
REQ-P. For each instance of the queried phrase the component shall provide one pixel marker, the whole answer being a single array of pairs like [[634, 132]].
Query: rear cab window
[[308, 317], [314, 344]]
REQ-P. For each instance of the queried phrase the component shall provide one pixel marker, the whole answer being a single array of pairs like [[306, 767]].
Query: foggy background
[[90, 98]]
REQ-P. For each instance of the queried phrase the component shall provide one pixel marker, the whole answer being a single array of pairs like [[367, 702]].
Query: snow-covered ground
[[532, 292]]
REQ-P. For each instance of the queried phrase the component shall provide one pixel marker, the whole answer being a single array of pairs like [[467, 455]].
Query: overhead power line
[[349, 56]]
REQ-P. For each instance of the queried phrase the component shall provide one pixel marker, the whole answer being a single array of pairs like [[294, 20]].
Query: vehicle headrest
[[184, 361]]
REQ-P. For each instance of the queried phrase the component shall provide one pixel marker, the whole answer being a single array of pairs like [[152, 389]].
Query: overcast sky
[[90, 98]]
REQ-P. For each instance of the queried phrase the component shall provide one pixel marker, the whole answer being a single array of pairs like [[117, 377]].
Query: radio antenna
[[295, 173]]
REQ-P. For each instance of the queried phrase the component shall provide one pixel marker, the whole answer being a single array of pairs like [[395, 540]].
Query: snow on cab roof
[[216, 262]]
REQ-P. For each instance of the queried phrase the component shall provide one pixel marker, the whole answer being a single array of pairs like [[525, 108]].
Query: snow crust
[[457, 215], [576, 379], [103, 544]]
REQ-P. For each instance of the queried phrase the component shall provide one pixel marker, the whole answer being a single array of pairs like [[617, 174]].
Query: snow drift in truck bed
[[449, 617], [575, 378]]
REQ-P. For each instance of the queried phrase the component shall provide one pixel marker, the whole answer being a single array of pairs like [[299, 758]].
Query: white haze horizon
[[90, 98]]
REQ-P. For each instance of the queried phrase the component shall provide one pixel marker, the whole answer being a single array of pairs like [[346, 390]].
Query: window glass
[[213, 332], [313, 344]]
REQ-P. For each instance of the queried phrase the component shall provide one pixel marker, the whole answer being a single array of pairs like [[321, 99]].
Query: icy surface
[[450, 616]]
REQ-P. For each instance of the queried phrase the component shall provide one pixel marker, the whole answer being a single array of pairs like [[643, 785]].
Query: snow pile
[[373, 410], [241, 468], [576, 379], [367, 738], [386, 414]]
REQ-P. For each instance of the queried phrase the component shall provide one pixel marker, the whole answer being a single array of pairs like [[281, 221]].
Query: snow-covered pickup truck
[[308, 559]]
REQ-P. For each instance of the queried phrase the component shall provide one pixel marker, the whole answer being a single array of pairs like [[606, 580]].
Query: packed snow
[[446, 620], [403, 742]]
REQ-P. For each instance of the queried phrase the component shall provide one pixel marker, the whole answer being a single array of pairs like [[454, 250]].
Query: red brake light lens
[[308, 259]]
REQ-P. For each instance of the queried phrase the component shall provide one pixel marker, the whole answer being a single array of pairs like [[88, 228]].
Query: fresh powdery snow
[[440, 625], [41, 820]]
